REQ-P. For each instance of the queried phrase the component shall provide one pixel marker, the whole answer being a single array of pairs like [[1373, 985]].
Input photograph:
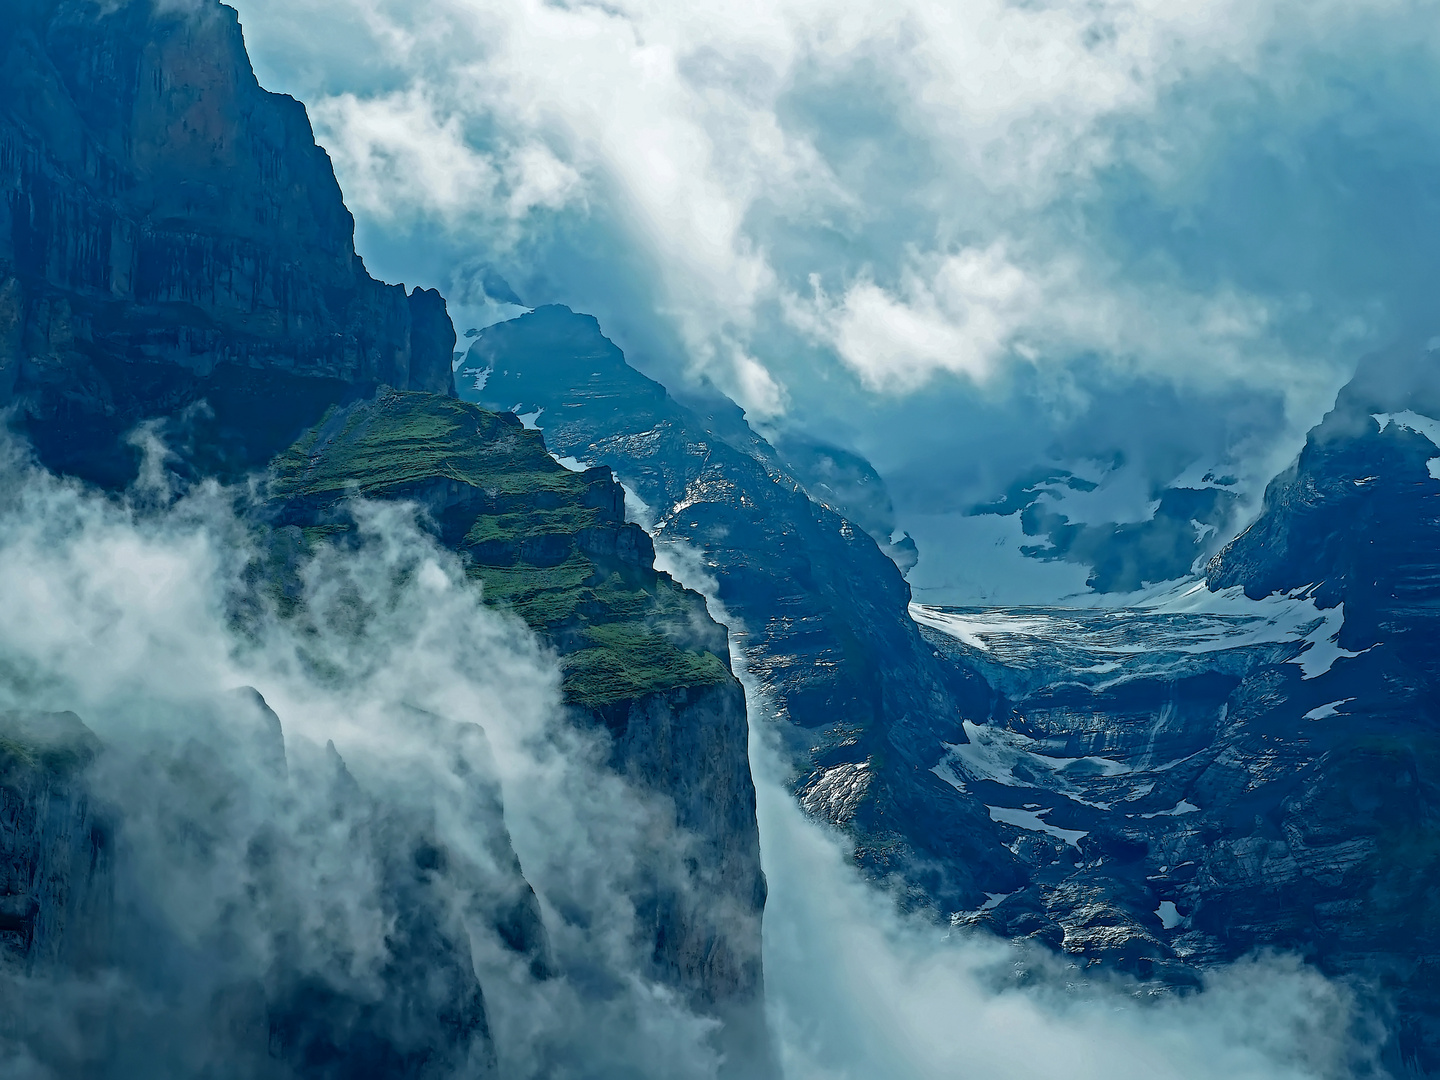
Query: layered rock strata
[[819, 609], [171, 234], [642, 659]]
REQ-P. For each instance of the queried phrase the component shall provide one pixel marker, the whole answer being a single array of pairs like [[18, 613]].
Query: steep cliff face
[[1248, 766], [1355, 523], [247, 989], [1356, 519], [642, 659], [54, 851], [820, 610], [173, 247], [170, 233]]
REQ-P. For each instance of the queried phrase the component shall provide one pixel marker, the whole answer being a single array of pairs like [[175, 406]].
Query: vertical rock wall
[[170, 232], [54, 854]]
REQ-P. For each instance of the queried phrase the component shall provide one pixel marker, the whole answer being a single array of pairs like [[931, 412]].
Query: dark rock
[[55, 850], [171, 234], [819, 609]]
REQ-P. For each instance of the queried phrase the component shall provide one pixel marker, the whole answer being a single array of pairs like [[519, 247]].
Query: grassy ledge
[[547, 543]]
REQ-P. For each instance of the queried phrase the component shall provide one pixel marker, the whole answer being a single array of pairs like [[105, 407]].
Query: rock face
[[820, 611], [642, 658], [1251, 765], [1357, 517], [54, 851], [170, 233], [174, 248]]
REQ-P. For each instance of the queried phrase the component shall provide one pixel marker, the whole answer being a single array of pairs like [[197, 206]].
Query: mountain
[[642, 659], [1250, 762], [179, 289], [820, 612], [1182, 525], [170, 233], [1355, 519], [188, 335]]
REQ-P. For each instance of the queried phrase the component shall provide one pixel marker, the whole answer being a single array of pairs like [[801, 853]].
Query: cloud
[[278, 883], [401, 156], [714, 134], [842, 213]]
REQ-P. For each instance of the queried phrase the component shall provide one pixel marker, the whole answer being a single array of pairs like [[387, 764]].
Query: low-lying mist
[[328, 888], [330, 846]]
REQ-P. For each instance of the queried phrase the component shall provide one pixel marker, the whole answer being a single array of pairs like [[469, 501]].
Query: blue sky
[[1142, 241]]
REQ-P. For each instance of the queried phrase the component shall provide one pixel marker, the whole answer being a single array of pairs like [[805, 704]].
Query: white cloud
[[683, 122], [974, 311], [396, 155], [404, 154], [838, 210], [240, 874]]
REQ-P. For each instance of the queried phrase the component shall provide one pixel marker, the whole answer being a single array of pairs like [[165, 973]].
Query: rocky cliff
[[176, 260], [171, 234], [1245, 766], [641, 656], [820, 610], [1355, 519], [54, 849]]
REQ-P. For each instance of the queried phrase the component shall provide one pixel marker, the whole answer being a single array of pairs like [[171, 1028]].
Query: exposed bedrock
[[642, 660], [170, 233], [820, 609]]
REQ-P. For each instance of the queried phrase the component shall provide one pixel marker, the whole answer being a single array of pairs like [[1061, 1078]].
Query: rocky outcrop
[[1356, 519], [1246, 767], [642, 659], [54, 849], [170, 234], [820, 610]]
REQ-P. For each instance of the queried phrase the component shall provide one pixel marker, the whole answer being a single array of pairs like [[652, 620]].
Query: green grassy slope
[[550, 544]]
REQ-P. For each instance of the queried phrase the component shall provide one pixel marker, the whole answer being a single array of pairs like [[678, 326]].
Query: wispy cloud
[[359, 872], [844, 212]]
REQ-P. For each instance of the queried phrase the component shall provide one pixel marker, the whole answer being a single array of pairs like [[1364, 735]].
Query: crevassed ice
[[1185, 617], [993, 753]]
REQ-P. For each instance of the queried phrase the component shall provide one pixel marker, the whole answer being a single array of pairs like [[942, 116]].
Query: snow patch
[[1169, 914], [1182, 807], [1329, 709], [1033, 821], [1421, 425]]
